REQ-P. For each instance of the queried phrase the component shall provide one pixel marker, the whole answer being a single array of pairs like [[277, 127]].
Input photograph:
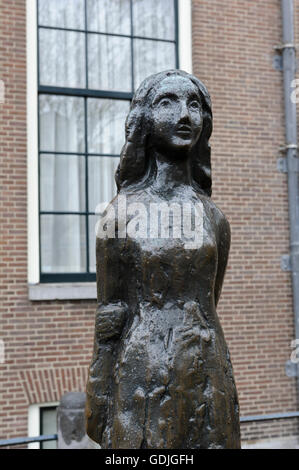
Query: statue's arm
[[224, 237], [111, 314], [111, 309]]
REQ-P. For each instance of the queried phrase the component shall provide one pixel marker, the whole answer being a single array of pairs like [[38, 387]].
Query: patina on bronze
[[161, 375]]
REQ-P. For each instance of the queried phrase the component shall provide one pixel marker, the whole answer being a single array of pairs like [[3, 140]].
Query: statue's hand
[[110, 320]]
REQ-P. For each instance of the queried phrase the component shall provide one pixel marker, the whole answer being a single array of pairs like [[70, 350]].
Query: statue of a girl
[[161, 375]]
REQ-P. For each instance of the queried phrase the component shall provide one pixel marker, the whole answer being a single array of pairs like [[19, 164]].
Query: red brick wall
[[48, 344], [233, 54]]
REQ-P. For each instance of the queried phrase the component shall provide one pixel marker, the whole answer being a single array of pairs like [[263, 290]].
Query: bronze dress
[[161, 375]]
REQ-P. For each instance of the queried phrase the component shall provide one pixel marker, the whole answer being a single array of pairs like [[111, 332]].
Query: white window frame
[[66, 291], [34, 421]]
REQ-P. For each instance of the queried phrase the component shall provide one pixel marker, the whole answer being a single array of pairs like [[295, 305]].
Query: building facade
[[67, 76]]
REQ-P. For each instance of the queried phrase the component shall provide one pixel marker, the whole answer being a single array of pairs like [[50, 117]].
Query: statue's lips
[[184, 131]]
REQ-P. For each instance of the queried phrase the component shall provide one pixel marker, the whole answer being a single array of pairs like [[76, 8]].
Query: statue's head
[[171, 112]]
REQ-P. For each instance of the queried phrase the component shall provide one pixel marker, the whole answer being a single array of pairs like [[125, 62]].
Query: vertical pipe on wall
[[289, 73]]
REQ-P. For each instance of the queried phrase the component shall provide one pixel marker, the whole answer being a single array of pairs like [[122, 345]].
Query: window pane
[[62, 58], [151, 57], [62, 183], [102, 187], [109, 16], [62, 13], [93, 219], [154, 19], [61, 124], [63, 244], [109, 63], [48, 426], [106, 125]]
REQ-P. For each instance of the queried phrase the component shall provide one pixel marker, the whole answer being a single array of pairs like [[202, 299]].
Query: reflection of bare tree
[[63, 243], [101, 180], [109, 16], [68, 193], [154, 19], [109, 63], [62, 123], [62, 58], [106, 125], [62, 13], [109, 58], [152, 57]]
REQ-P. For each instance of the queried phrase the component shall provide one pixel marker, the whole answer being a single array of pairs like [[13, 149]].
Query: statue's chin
[[175, 151], [179, 153]]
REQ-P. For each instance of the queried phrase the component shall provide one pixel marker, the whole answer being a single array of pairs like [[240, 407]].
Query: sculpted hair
[[136, 170]]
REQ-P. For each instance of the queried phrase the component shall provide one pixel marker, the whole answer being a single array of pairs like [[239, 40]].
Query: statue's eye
[[165, 102], [194, 104]]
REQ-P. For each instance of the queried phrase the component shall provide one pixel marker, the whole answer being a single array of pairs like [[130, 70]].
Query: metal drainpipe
[[292, 162]]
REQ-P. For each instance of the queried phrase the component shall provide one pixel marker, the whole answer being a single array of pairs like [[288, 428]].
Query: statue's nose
[[184, 112]]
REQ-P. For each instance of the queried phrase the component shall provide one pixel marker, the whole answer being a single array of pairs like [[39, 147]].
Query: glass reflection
[[62, 58], [61, 124], [63, 244], [109, 63], [151, 57], [101, 182], [106, 125], [61, 13], [68, 192], [154, 19], [109, 16]]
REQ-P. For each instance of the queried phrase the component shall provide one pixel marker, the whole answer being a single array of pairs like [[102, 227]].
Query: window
[[42, 421], [48, 426], [92, 54]]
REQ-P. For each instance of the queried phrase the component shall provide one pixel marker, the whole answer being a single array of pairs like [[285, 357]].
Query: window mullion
[[86, 142], [105, 94], [176, 13], [132, 45], [38, 137], [86, 184]]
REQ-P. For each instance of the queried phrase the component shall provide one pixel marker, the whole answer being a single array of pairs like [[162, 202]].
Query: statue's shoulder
[[219, 218], [117, 205], [120, 210]]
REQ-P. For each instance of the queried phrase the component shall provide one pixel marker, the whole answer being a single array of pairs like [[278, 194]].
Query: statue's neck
[[171, 173]]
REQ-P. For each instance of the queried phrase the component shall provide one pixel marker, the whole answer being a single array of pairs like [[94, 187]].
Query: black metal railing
[[27, 440]]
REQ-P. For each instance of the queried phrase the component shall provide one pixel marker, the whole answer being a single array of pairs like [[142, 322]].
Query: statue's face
[[177, 114]]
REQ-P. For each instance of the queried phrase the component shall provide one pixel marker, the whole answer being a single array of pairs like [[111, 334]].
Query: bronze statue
[[161, 375]]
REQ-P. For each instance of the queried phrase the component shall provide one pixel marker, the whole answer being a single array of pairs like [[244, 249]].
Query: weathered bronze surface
[[161, 375]]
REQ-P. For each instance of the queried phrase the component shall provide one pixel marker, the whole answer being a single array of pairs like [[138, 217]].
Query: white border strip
[[185, 35], [32, 144], [63, 291]]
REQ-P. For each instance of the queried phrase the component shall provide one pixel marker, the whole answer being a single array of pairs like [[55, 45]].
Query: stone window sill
[[63, 291]]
